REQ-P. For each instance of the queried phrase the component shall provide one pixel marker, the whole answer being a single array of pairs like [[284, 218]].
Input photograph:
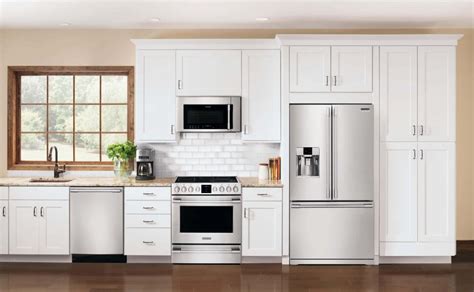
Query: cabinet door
[[398, 94], [4, 227], [398, 192], [436, 93], [155, 104], [209, 73], [261, 95], [436, 192], [261, 229], [351, 68], [23, 231], [54, 227], [310, 69]]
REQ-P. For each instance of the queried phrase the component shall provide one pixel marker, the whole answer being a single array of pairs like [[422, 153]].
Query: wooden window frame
[[14, 111]]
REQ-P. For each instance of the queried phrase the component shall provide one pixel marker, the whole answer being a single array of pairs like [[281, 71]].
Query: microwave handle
[[228, 117]]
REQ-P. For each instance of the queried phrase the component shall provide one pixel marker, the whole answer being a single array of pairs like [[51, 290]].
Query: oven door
[[209, 114], [207, 220]]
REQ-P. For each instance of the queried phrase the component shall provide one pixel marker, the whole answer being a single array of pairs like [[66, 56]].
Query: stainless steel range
[[207, 220]]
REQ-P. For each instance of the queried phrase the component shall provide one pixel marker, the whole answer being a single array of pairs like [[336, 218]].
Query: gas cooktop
[[206, 179]]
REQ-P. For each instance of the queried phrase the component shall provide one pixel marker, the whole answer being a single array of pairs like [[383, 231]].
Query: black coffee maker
[[145, 170]]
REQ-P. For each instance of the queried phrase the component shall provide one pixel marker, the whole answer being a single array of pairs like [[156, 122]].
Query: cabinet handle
[[148, 208], [421, 130], [42, 212], [180, 85], [263, 195], [414, 153], [327, 80], [172, 129], [4, 211], [245, 212], [148, 242], [422, 154], [414, 130], [246, 130], [149, 194], [148, 221], [34, 211], [335, 80]]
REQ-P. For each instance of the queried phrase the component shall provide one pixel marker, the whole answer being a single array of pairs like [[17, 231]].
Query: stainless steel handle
[[245, 212], [421, 130], [180, 84], [414, 154], [148, 208], [246, 131], [327, 80], [149, 194], [422, 154], [42, 212], [263, 194], [148, 242], [172, 129], [228, 117], [335, 80], [148, 221], [34, 211], [328, 157], [326, 205], [89, 190], [4, 211], [210, 203], [414, 130], [334, 154]]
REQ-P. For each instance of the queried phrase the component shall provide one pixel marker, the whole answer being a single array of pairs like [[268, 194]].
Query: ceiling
[[138, 14]]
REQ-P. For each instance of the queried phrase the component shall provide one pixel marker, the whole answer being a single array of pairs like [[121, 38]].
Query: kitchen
[[207, 113]]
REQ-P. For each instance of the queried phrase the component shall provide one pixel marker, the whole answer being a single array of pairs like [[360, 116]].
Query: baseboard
[[148, 259], [261, 260], [36, 258], [415, 260]]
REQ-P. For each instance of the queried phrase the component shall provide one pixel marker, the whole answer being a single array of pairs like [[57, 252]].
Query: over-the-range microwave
[[209, 114]]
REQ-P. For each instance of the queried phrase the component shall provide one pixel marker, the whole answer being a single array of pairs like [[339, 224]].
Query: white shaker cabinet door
[[155, 101], [310, 69], [261, 229], [54, 227], [4, 226], [437, 93], [24, 228], [351, 68], [208, 73], [398, 94], [436, 192], [261, 95], [398, 192]]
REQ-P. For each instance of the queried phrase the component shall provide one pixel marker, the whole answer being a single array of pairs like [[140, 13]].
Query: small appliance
[[145, 164]]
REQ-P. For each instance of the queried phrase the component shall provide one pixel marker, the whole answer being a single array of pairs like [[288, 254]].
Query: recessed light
[[262, 19], [65, 24], [155, 19]]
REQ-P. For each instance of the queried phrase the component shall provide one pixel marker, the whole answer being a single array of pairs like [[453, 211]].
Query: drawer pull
[[148, 242], [263, 195], [149, 194], [148, 208], [148, 221]]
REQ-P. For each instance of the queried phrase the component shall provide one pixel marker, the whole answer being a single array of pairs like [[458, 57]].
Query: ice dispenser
[[308, 161]]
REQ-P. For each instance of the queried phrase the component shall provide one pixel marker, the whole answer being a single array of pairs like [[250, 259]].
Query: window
[[80, 110]]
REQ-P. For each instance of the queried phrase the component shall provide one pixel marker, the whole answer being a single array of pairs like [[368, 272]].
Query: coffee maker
[[145, 170]]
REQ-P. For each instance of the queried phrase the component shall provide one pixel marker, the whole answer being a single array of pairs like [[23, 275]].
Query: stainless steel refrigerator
[[331, 184]]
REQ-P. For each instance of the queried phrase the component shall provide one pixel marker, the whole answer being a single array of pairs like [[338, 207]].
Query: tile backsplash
[[211, 154]]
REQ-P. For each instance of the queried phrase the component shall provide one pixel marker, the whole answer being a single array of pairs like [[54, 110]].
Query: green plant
[[122, 151]]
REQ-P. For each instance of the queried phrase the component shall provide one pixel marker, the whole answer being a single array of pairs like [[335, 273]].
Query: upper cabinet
[[155, 105], [261, 95], [208, 73], [331, 69], [417, 93]]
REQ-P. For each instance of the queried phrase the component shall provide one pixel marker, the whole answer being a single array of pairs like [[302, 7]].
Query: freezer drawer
[[332, 231]]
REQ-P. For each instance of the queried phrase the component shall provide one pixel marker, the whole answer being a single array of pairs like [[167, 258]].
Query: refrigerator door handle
[[328, 157], [334, 154]]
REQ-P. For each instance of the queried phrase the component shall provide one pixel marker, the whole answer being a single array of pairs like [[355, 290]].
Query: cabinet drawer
[[262, 194], [148, 221], [148, 193], [148, 207], [39, 193], [148, 241], [3, 193]]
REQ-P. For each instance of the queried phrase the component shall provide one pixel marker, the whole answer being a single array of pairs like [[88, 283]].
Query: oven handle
[[231, 201]]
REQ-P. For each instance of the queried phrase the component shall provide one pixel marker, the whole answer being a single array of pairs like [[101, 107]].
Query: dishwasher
[[97, 224]]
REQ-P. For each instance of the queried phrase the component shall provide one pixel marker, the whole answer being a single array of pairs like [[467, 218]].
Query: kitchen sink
[[50, 180]]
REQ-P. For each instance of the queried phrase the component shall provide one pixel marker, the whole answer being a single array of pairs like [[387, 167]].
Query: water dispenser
[[308, 161]]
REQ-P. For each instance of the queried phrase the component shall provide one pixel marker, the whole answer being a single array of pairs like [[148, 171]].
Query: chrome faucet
[[57, 169]]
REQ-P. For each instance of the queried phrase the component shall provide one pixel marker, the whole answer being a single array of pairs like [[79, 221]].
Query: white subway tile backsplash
[[216, 154]]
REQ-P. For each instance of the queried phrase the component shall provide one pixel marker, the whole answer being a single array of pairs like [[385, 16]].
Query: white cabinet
[[4, 214], [39, 221], [417, 94], [208, 73], [261, 95], [261, 224], [310, 69], [417, 199], [331, 69], [436, 93], [155, 100], [398, 93]]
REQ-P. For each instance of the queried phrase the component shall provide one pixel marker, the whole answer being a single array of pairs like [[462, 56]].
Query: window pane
[[60, 89], [114, 118], [87, 147], [64, 144], [60, 118], [87, 89], [33, 118], [33, 147], [87, 118], [33, 89], [108, 139], [114, 89]]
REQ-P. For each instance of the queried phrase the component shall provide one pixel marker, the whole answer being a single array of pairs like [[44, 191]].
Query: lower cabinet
[[4, 220], [148, 221], [39, 226], [262, 222]]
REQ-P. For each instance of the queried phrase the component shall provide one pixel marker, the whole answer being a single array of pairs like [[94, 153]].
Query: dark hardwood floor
[[458, 276]]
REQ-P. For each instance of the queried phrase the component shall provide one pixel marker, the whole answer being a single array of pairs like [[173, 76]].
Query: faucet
[[57, 169]]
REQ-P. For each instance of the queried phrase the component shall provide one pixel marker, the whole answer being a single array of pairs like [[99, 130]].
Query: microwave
[[209, 114]]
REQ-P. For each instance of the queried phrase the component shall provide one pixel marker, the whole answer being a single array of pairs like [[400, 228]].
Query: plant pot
[[123, 168]]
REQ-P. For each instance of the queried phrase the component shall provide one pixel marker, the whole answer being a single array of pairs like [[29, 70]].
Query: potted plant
[[122, 154]]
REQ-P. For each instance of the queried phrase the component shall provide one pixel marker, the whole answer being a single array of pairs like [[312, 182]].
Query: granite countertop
[[88, 182], [253, 182]]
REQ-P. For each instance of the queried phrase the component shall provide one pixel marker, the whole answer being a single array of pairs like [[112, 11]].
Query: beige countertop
[[253, 182]]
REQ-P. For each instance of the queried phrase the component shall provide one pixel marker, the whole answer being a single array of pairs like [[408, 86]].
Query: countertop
[[253, 182]]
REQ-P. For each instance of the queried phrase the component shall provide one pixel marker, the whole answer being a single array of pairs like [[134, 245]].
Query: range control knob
[[236, 189], [191, 189], [183, 189], [221, 189], [228, 189], [214, 189], [198, 189], [176, 189]]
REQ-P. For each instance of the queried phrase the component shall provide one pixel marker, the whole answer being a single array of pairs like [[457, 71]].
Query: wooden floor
[[458, 276]]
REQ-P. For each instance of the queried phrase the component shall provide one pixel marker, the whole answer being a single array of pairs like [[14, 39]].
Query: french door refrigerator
[[331, 184]]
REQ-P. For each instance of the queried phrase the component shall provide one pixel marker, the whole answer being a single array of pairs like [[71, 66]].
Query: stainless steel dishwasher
[[96, 221]]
